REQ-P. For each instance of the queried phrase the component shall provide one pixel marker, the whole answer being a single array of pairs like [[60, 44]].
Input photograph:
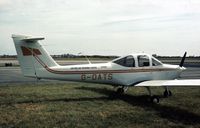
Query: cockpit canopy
[[137, 60]]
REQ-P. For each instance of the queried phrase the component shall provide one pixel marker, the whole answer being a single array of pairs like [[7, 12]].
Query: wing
[[189, 82]]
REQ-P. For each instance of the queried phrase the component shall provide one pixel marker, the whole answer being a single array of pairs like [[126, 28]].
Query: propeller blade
[[183, 59]]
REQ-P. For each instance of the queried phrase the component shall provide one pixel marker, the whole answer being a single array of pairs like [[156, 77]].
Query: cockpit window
[[143, 61], [155, 62], [128, 61]]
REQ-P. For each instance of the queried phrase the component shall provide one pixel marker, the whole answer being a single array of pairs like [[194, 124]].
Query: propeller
[[183, 59]]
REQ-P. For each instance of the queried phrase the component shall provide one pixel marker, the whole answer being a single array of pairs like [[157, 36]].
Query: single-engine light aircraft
[[131, 70]]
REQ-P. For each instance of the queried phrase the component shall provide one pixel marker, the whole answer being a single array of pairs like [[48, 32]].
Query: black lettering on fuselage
[[83, 76], [94, 76], [97, 76], [110, 76]]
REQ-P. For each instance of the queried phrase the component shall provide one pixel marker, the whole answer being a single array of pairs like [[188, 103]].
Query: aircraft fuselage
[[110, 73]]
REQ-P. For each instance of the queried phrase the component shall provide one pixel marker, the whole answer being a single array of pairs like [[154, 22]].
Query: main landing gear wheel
[[167, 93], [155, 99], [120, 91]]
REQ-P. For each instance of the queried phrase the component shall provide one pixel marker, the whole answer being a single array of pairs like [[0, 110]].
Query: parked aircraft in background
[[131, 70]]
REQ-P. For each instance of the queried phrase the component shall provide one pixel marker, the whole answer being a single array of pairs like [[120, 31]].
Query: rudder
[[31, 55]]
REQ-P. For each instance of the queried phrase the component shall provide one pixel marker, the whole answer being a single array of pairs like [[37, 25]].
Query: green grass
[[93, 105]]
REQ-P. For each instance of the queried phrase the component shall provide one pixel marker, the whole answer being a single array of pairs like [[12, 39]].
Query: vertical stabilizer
[[28, 48]]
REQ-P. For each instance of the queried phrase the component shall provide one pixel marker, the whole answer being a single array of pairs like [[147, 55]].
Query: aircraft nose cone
[[181, 68]]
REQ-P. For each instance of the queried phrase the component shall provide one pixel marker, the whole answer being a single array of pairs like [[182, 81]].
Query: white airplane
[[131, 70]]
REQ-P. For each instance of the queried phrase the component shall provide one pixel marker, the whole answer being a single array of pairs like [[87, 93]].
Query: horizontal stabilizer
[[28, 39], [189, 82], [33, 39]]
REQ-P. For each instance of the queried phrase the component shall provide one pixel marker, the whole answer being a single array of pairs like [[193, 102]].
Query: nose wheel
[[167, 93]]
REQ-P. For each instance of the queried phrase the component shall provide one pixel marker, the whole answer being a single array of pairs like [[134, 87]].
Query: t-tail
[[31, 55]]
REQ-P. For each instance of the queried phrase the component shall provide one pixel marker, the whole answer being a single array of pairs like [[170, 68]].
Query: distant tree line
[[8, 56], [157, 56], [83, 56], [95, 56], [68, 56]]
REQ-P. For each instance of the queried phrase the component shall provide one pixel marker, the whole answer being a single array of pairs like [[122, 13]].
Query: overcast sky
[[106, 27]]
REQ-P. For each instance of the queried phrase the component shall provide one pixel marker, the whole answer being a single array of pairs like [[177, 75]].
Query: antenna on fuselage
[[85, 57]]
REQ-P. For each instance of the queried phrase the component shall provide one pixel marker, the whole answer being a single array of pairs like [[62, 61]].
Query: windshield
[[155, 62], [127, 61]]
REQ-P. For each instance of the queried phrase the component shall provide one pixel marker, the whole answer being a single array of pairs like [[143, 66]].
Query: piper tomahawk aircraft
[[131, 70]]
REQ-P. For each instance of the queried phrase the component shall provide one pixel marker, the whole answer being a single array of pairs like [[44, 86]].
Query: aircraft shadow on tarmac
[[173, 114]]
